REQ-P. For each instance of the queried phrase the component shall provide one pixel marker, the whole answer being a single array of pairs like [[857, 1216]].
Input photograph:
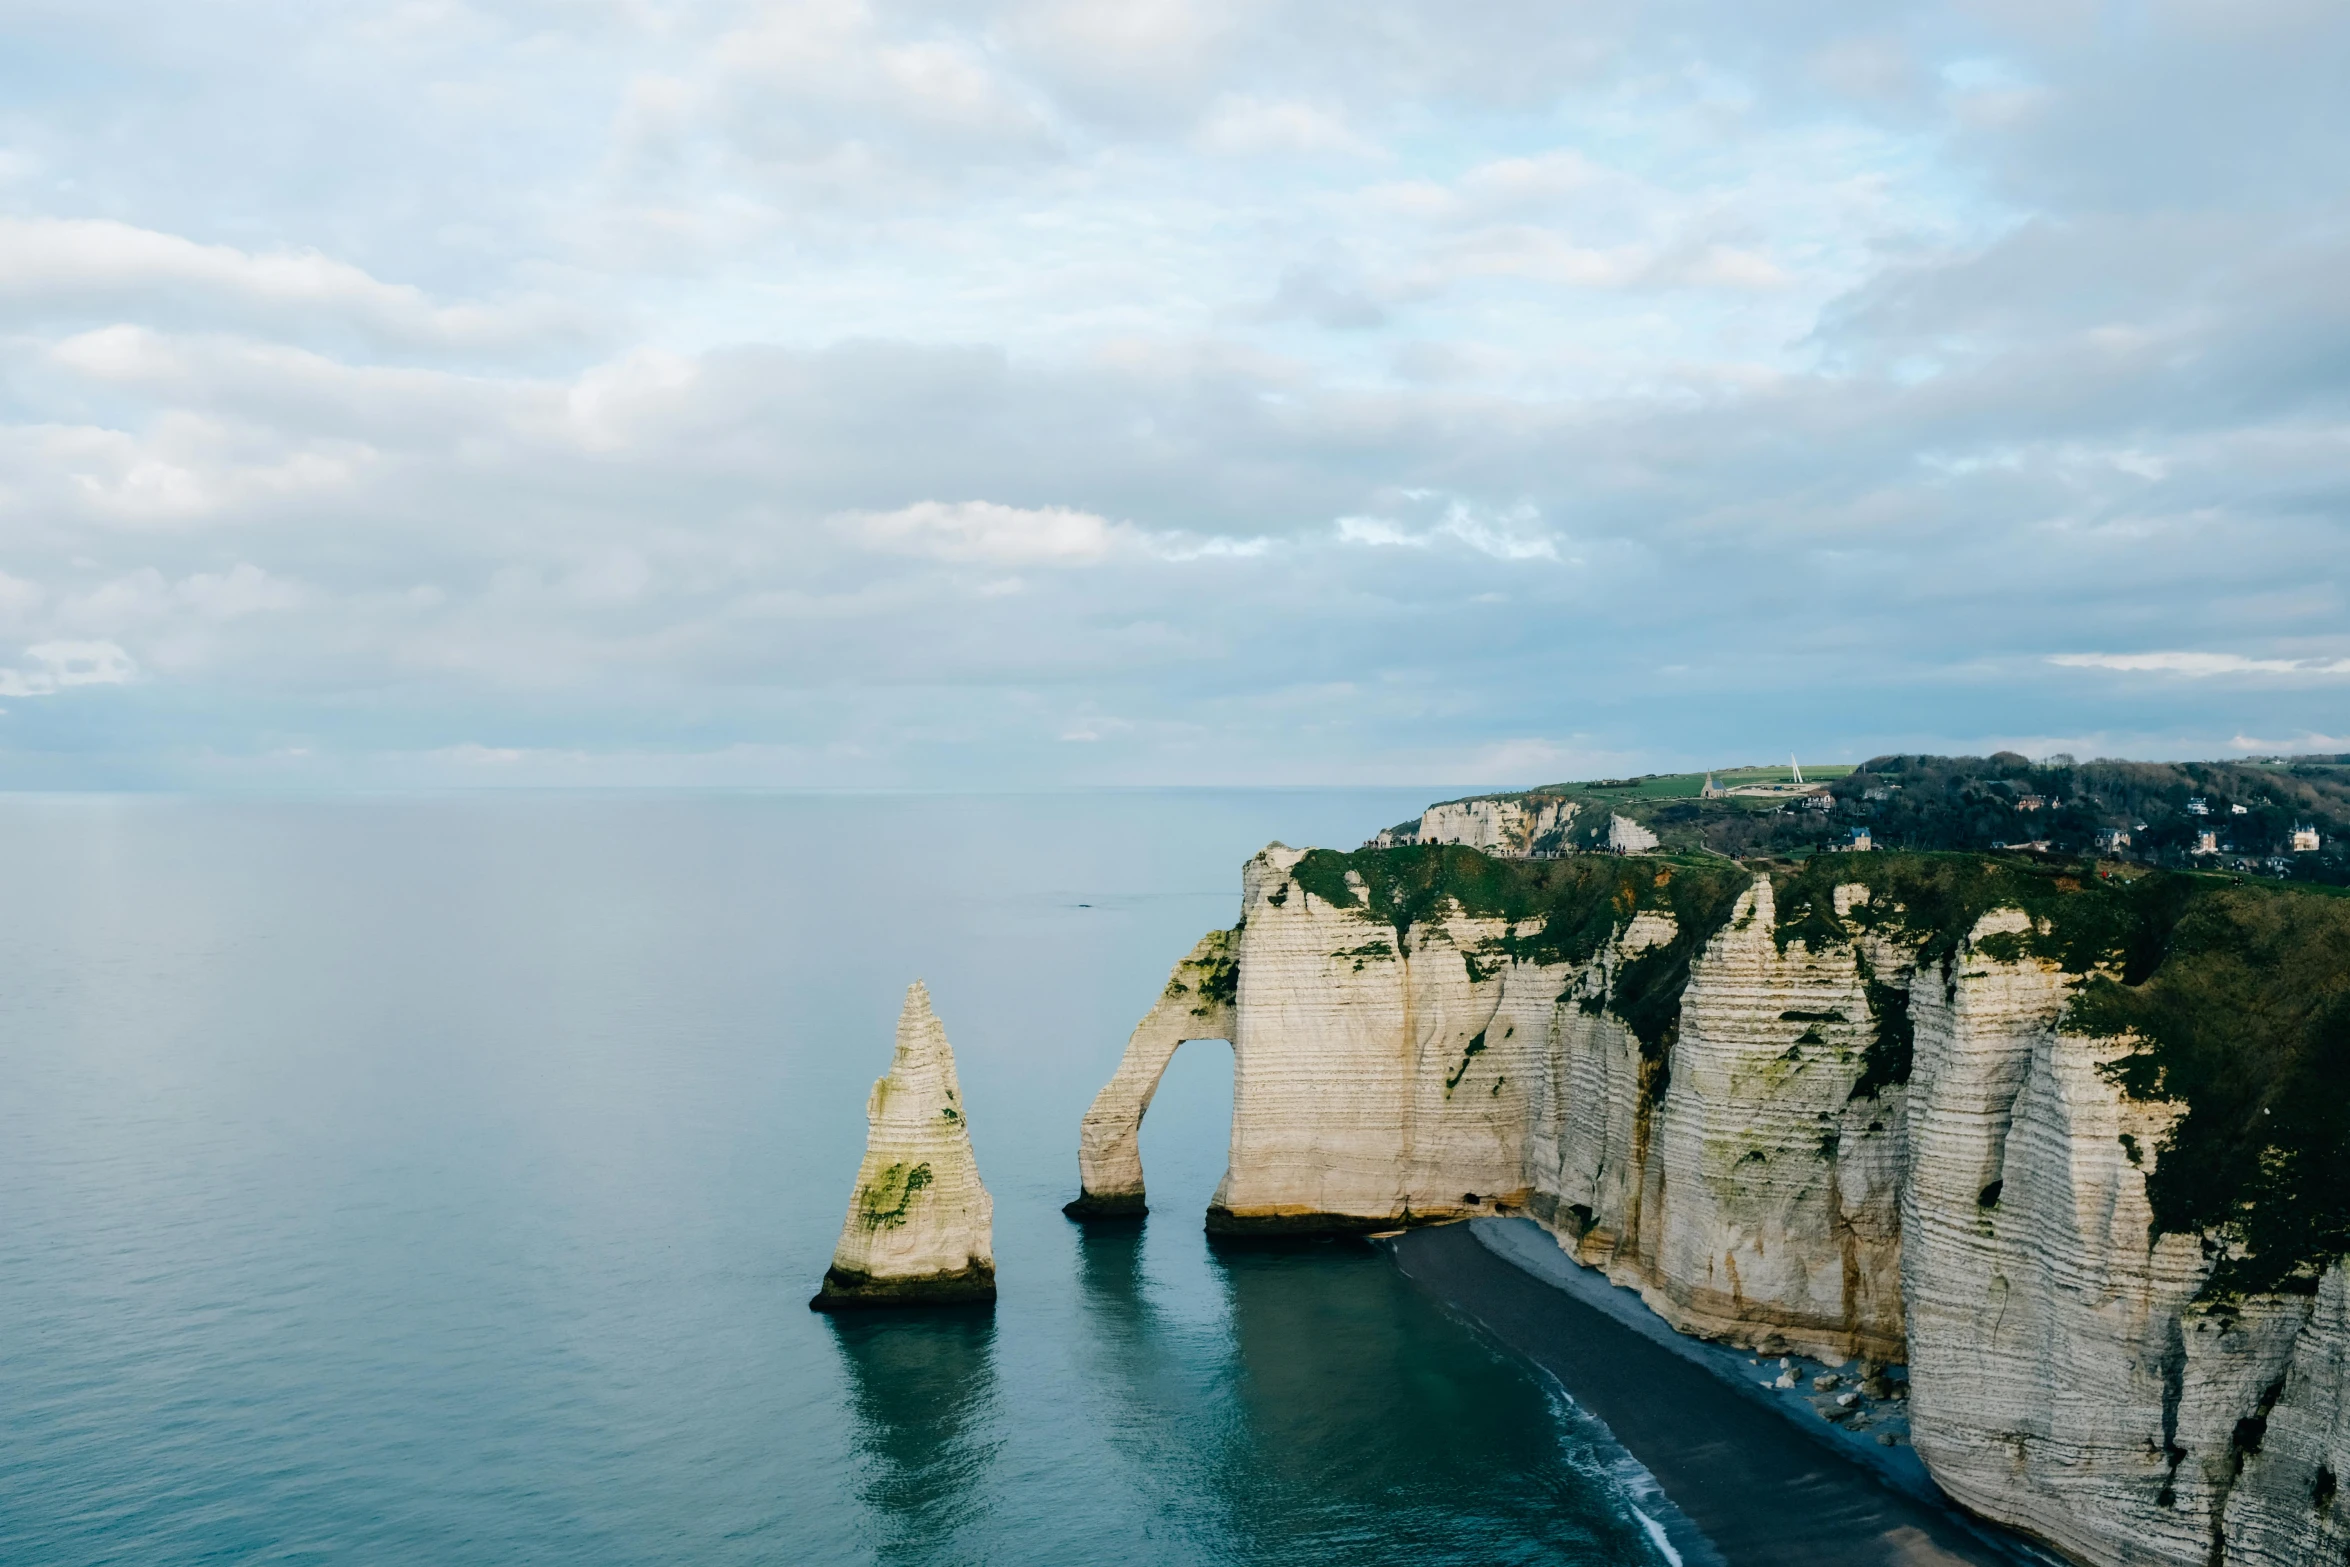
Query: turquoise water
[[442, 1181]]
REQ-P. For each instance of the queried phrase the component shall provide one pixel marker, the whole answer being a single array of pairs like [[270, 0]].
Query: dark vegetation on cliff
[[2237, 992], [1574, 904], [2251, 808], [2246, 1023], [1979, 803]]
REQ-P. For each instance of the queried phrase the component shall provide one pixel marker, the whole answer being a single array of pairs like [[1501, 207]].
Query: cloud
[[49, 264], [1252, 127], [2307, 740], [2202, 666], [988, 533], [52, 667], [839, 87], [846, 393], [985, 531], [1508, 535]]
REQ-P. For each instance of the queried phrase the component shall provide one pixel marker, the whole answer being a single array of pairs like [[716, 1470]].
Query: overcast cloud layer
[[1053, 391]]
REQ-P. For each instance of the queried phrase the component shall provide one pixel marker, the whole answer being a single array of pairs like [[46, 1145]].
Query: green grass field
[[1688, 786]]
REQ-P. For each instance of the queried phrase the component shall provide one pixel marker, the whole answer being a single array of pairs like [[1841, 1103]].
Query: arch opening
[[1198, 1003]]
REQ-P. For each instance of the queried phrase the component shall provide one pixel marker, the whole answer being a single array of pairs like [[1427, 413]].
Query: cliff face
[[1757, 1202], [1380, 1074], [2066, 1378], [920, 1226], [1808, 1117], [2284, 1507], [1506, 827]]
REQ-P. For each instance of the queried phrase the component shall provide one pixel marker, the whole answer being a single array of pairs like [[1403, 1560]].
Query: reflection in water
[[1330, 1412], [1109, 1273], [1164, 1390], [922, 1386]]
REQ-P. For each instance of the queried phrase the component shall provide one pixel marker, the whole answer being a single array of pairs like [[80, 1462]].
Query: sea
[[442, 1180]]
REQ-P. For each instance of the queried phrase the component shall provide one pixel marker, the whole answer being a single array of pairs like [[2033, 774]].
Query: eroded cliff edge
[[2061, 1143]]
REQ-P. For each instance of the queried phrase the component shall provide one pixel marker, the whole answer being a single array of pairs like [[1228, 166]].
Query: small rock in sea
[[1847, 1400], [1826, 1382], [1785, 1364], [1888, 1439], [1786, 1379], [1875, 1385]]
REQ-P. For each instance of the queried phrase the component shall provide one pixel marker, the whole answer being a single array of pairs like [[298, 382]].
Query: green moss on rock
[[883, 1204]]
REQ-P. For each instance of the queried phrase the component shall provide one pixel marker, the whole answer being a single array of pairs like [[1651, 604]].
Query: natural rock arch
[[1198, 1003]]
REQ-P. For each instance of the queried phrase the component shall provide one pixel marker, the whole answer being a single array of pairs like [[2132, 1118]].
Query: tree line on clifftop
[[2236, 816]]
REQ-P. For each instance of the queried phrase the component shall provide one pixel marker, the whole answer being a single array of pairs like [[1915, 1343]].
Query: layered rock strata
[[2066, 1377], [1853, 1134], [1380, 1076], [920, 1226], [1755, 1199]]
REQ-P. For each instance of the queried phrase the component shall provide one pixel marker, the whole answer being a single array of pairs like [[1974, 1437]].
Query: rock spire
[[920, 1225]]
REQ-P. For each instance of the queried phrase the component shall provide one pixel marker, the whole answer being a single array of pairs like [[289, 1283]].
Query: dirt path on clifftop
[[1763, 1493]]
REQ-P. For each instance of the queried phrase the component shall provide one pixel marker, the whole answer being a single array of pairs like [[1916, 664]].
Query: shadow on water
[[1163, 1376], [1373, 1428], [1293, 1401], [923, 1394]]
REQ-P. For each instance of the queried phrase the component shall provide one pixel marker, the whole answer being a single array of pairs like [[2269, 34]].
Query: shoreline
[[1750, 1483]]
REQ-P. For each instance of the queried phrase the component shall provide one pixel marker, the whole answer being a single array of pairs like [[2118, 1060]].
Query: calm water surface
[[443, 1180]]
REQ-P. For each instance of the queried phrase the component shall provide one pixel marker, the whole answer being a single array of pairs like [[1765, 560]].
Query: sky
[[825, 394]]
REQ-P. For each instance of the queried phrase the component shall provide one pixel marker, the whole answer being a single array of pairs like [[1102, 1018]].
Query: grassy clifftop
[[2250, 809], [2237, 993]]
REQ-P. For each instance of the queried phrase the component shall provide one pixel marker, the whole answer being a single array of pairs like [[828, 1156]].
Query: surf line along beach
[[1738, 1466]]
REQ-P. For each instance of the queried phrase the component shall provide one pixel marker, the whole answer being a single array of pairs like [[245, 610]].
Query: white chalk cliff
[[920, 1226], [1512, 829], [1757, 1172]]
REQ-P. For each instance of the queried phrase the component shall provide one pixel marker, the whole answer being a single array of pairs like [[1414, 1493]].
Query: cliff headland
[[2068, 1138]]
